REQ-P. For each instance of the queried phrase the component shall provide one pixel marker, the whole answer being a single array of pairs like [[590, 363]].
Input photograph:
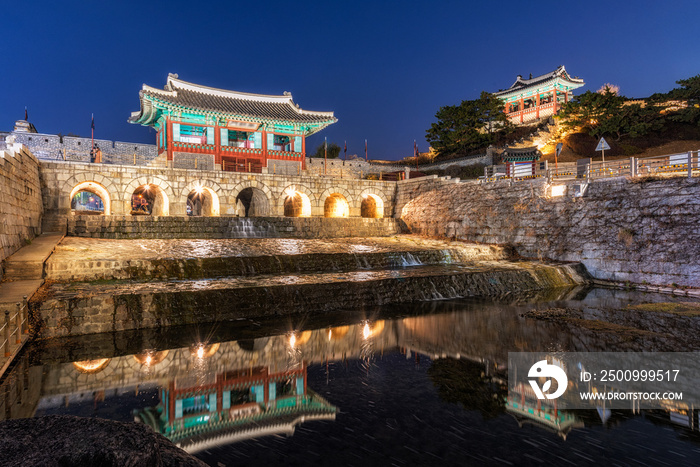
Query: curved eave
[[571, 85], [152, 107]]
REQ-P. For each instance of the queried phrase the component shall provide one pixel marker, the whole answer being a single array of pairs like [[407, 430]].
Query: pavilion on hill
[[207, 128], [528, 100]]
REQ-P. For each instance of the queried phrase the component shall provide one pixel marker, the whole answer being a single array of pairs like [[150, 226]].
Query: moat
[[405, 384]]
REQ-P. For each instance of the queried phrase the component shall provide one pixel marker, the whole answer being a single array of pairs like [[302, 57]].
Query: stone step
[[69, 267], [87, 308], [23, 270]]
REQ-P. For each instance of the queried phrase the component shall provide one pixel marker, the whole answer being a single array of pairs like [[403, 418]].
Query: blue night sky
[[383, 67]]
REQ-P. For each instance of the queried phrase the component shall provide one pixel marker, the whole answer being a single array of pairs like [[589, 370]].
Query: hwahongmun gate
[[218, 153]]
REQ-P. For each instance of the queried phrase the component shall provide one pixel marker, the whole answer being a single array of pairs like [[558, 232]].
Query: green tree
[[689, 92], [333, 151], [607, 113], [461, 129]]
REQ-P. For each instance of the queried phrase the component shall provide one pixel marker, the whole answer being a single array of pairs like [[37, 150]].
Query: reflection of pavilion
[[544, 413], [238, 405]]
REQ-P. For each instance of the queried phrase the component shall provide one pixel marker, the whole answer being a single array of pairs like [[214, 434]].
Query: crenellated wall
[[20, 195], [639, 230]]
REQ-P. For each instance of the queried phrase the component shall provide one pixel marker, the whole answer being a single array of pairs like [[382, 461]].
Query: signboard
[[602, 145]]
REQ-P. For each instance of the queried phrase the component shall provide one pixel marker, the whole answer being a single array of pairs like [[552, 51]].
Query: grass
[[687, 309]]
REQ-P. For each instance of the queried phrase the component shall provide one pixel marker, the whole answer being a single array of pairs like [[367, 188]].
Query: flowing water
[[411, 384]]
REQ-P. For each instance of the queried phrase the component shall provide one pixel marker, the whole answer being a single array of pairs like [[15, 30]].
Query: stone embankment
[[20, 192], [641, 230]]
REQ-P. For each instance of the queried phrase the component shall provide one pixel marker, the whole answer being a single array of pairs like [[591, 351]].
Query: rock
[[61, 440]]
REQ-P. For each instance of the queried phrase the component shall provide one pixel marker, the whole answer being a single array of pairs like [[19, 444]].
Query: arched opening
[[252, 202], [89, 198], [297, 205], [372, 206], [202, 201], [336, 206], [149, 200]]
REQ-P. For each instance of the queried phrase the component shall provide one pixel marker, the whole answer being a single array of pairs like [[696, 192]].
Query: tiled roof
[[521, 154], [193, 96]]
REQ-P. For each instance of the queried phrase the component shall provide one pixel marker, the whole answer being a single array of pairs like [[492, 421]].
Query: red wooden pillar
[[522, 108], [303, 152], [169, 142], [266, 384], [217, 144], [566, 96]]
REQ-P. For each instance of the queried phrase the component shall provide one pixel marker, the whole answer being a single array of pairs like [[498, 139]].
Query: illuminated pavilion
[[202, 127], [528, 100]]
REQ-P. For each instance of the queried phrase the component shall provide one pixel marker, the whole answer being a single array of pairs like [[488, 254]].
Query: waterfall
[[245, 227], [403, 260]]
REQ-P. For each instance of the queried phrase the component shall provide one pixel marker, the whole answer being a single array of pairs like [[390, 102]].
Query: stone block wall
[[20, 192], [52, 147], [125, 227], [174, 185], [639, 230]]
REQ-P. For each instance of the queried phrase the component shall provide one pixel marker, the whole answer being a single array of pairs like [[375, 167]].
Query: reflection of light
[[91, 366], [373, 330], [202, 351], [558, 190], [330, 334], [292, 340]]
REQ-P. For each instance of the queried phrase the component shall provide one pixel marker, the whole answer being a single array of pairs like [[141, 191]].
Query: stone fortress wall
[[52, 147], [639, 230], [20, 192]]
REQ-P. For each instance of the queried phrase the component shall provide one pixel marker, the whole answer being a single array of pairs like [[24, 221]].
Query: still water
[[420, 384]]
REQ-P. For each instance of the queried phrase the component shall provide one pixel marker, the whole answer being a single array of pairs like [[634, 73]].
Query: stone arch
[[163, 194], [209, 194], [109, 192], [306, 204], [96, 189], [336, 205], [260, 188], [380, 199], [335, 189]]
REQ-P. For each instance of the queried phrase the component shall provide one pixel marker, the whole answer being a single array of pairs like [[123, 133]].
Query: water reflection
[[205, 393]]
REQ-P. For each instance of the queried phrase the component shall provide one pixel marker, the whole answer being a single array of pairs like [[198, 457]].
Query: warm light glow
[[330, 334], [199, 190], [292, 340], [558, 190], [372, 330], [91, 366], [202, 351]]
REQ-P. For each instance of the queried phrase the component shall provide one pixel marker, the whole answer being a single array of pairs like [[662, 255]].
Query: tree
[[607, 113], [461, 129], [689, 92], [333, 151]]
